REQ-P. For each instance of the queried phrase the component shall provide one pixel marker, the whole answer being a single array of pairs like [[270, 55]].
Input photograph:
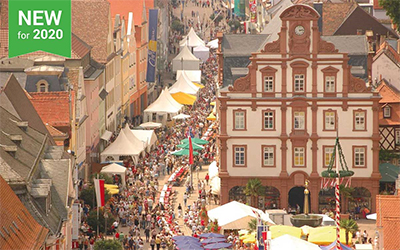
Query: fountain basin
[[303, 220]]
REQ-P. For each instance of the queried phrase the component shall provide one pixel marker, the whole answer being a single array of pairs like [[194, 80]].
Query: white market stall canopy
[[133, 139], [213, 170], [162, 107], [114, 168], [201, 52], [191, 39], [150, 125], [123, 146], [215, 184], [185, 60], [165, 103], [180, 117], [192, 75], [213, 44], [148, 136], [183, 84], [290, 242], [235, 215]]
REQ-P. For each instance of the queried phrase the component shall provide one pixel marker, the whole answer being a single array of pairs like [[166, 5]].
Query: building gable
[[353, 26]]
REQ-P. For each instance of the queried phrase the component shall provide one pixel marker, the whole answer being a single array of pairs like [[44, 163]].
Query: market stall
[[114, 168], [162, 109], [185, 60]]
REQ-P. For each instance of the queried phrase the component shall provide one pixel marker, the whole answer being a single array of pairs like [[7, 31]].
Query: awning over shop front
[[106, 135], [389, 172]]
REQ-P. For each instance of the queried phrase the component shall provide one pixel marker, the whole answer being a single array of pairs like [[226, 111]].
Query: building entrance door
[[296, 197]]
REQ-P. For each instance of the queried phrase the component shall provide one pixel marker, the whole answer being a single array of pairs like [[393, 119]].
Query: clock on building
[[299, 30]]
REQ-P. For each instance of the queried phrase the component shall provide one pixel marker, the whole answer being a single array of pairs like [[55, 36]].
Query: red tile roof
[[52, 107], [389, 93], [91, 23], [388, 219], [24, 231], [123, 7], [389, 51], [334, 14]]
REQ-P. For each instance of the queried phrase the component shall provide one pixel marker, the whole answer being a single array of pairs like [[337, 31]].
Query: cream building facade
[[279, 123]]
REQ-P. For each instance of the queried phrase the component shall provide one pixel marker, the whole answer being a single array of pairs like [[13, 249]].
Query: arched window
[[42, 86]]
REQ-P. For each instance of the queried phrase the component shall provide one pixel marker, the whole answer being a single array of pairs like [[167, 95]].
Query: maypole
[[338, 158], [337, 193]]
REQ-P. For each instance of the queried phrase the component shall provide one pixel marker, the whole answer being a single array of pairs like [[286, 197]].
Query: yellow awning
[[198, 85], [325, 235], [184, 98], [111, 186], [113, 191], [212, 103], [280, 230], [211, 117], [247, 236]]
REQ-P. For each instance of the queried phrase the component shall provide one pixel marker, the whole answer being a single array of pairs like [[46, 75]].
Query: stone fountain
[[306, 219]]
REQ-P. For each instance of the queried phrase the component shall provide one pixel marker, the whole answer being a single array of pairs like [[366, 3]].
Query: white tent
[[148, 136], [140, 145], [213, 44], [183, 84], [114, 168], [150, 125], [185, 60], [201, 52], [191, 40], [371, 216], [235, 215], [290, 242], [192, 75], [180, 117], [122, 146], [163, 106], [212, 170], [215, 184]]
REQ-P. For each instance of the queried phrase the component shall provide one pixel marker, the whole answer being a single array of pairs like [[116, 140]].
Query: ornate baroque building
[[279, 122]]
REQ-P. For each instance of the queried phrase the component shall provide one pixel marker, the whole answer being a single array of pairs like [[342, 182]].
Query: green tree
[[177, 26], [392, 8], [92, 221], [234, 24], [107, 179], [108, 244], [216, 19], [88, 196], [254, 188], [252, 225], [350, 226]]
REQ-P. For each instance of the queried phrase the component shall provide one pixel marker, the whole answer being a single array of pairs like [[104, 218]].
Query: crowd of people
[[136, 206]]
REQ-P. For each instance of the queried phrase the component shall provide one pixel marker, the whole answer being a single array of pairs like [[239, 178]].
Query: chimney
[[318, 7]]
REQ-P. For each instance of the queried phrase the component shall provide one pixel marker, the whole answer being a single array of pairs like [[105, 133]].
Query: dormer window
[[42, 86], [387, 111]]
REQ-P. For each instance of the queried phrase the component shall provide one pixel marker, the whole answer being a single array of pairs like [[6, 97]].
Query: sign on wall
[[152, 51]]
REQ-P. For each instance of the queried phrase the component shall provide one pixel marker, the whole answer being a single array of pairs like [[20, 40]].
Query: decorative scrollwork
[[325, 46], [273, 47], [242, 84], [299, 11], [358, 85]]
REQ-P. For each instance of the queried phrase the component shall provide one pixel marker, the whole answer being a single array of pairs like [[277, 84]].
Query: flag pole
[[97, 213]]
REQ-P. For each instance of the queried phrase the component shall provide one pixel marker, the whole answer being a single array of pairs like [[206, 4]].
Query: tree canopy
[[108, 244], [392, 8]]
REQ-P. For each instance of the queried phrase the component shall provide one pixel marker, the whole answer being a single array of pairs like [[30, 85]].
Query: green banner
[[39, 25]]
